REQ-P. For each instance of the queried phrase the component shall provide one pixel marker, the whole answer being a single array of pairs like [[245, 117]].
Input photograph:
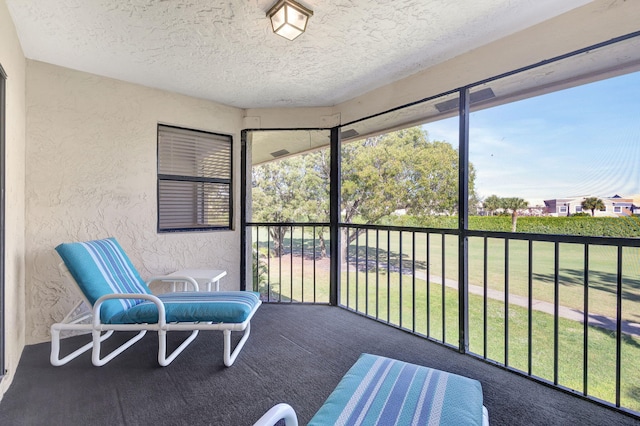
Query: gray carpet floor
[[295, 354]]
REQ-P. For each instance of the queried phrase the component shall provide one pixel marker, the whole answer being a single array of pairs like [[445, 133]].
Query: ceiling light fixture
[[289, 19]]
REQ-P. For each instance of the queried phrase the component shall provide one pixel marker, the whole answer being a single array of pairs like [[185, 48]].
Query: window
[[563, 209], [578, 209], [617, 209], [194, 180]]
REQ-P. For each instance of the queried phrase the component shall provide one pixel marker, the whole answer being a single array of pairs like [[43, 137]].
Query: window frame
[[3, 126], [199, 204]]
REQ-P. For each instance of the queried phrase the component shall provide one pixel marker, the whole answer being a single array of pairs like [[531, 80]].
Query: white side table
[[202, 276]]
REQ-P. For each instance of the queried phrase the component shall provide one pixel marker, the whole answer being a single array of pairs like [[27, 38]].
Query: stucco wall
[[13, 62], [91, 173]]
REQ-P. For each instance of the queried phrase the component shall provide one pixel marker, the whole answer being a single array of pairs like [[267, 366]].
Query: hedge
[[626, 227]]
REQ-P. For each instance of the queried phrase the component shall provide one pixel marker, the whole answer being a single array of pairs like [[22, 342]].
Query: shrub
[[585, 225]]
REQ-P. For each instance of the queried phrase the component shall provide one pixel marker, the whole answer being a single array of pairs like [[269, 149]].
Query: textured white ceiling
[[224, 50]]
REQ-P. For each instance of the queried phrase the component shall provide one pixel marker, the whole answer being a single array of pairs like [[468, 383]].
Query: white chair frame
[[285, 412], [97, 328], [276, 413]]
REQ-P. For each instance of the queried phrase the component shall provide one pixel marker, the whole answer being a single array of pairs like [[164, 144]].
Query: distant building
[[613, 206], [635, 199]]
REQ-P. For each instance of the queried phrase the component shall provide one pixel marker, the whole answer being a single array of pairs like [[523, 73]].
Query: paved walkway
[[595, 320]]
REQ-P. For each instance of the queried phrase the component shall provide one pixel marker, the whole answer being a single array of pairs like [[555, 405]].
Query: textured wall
[[91, 173], [13, 62]]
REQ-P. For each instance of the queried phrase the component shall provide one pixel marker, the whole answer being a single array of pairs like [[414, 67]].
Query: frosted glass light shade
[[289, 19]]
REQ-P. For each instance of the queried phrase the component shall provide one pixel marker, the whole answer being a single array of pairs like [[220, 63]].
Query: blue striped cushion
[[101, 267], [383, 391], [190, 306]]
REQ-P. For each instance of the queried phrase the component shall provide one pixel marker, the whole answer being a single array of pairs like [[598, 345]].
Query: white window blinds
[[194, 180]]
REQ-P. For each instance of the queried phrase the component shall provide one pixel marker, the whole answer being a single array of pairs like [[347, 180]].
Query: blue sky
[[579, 141]]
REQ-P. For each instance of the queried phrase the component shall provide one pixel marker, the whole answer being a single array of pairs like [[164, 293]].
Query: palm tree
[[514, 204], [593, 203], [491, 203]]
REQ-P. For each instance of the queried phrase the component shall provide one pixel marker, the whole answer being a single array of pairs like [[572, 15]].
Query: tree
[[491, 203], [399, 170], [294, 189], [277, 195], [592, 203], [381, 174], [513, 204], [316, 186]]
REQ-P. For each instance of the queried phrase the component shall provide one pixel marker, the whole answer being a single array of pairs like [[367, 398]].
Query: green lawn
[[602, 268], [382, 296], [601, 350]]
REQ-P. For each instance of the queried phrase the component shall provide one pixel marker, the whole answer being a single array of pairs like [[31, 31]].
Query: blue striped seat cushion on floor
[[383, 391], [190, 306]]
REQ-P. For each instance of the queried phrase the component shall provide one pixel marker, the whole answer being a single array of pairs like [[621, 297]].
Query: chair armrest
[[277, 413], [162, 317], [187, 281]]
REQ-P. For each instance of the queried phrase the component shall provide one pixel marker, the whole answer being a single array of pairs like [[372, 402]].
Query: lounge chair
[[121, 301], [384, 391]]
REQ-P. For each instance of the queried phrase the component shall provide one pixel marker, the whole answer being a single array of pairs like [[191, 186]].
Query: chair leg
[[165, 360], [230, 357], [55, 346], [97, 339]]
